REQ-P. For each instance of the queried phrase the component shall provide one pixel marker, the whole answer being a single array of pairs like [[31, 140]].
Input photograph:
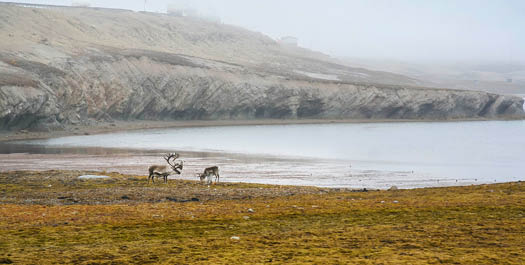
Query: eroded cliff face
[[45, 85], [136, 85]]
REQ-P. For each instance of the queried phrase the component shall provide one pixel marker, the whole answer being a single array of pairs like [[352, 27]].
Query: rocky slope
[[61, 66]]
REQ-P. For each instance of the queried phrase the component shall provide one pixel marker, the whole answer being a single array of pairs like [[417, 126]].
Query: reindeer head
[[201, 176]]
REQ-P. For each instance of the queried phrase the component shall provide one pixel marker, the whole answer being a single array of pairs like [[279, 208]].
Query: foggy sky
[[406, 30]]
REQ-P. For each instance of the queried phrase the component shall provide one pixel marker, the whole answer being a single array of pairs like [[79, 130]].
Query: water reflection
[[344, 155]]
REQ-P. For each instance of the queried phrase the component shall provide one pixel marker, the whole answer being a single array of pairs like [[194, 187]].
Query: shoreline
[[118, 126], [235, 167]]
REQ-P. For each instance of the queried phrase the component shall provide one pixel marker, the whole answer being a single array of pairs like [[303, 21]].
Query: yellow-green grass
[[465, 225]]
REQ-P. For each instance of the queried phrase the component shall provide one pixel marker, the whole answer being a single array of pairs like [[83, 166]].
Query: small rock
[[93, 177], [395, 202], [393, 188], [246, 217], [125, 197], [235, 238], [382, 201], [251, 210], [5, 261]]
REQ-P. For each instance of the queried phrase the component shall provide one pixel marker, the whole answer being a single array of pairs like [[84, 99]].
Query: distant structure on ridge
[[81, 4], [181, 11], [289, 41]]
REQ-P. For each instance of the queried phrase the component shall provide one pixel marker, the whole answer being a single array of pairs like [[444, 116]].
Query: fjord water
[[455, 152]]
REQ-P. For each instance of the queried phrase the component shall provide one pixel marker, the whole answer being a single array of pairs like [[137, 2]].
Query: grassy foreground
[[52, 217]]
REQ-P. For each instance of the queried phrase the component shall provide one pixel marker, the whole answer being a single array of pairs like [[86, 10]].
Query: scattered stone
[[5, 261], [393, 188], [251, 210], [182, 200], [93, 177], [395, 202], [382, 201], [125, 197], [235, 238], [86, 133], [246, 217]]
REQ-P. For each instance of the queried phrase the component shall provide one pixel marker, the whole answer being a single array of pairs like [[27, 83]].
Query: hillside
[[62, 66], [501, 78]]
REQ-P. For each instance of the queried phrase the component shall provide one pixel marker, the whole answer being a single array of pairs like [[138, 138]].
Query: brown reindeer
[[162, 171], [208, 172]]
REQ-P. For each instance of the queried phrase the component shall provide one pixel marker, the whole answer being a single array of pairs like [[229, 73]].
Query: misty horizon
[[403, 30]]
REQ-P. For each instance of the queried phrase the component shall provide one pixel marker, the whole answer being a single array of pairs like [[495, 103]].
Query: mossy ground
[[465, 225]]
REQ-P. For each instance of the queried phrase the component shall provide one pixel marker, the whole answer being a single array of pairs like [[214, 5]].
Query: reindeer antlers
[[170, 156]]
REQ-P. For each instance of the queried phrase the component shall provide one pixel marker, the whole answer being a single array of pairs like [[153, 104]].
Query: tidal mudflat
[[369, 155]]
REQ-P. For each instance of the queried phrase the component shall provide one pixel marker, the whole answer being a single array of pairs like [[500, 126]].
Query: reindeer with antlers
[[158, 170]]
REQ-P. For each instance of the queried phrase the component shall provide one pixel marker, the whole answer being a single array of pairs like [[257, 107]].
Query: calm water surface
[[419, 153]]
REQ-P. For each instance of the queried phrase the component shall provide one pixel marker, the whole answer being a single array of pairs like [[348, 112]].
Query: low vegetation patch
[[53, 217]]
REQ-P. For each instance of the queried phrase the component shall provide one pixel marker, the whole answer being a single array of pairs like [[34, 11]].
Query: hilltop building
[[192, 13], [289, 40], [81, 4]]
